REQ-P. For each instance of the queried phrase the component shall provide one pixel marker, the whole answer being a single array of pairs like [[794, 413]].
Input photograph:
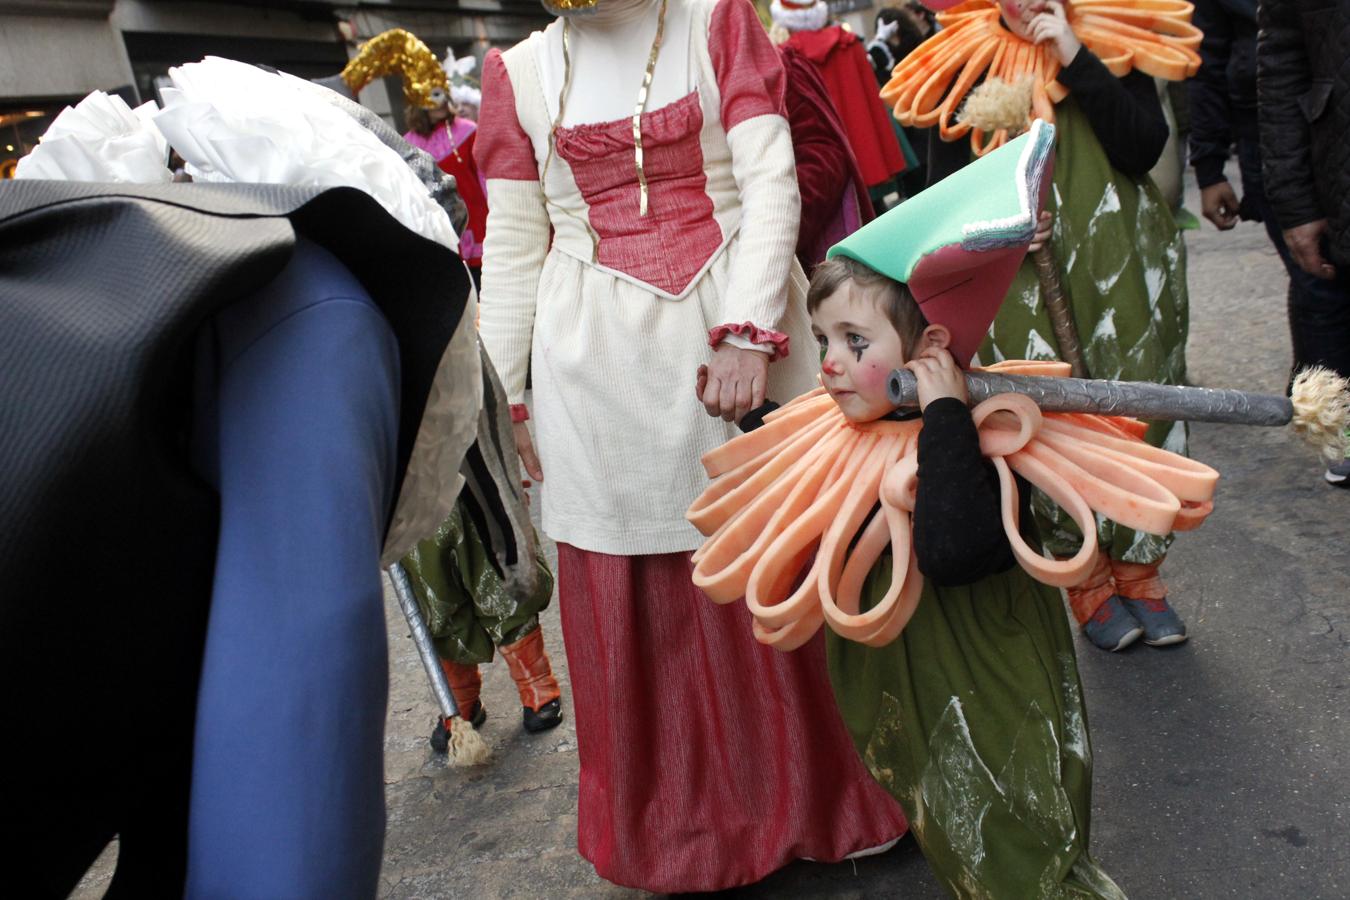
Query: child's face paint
[[858, 349]]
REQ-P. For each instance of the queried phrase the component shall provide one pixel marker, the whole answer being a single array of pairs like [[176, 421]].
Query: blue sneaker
[[1162, 625], [1112, 627]]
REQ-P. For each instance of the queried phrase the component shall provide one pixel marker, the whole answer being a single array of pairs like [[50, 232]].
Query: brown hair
[[892, 297], [419, 120]]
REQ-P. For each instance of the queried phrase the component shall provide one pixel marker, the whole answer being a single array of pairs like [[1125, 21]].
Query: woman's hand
[[525, 447], [1044, 226], [938, 376], [1052, 27], [734, 382]]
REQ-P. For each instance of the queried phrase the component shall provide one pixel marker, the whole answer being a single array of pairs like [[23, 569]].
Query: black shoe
[[547, 716], [440, 738]]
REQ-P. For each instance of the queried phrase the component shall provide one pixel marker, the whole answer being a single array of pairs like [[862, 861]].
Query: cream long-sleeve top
[[614, 311]]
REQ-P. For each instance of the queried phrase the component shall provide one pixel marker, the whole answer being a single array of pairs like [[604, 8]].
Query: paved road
[[1220, 764]]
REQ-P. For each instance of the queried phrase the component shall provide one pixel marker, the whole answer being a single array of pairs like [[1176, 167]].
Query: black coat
[[1303, 83], [1223, 91]]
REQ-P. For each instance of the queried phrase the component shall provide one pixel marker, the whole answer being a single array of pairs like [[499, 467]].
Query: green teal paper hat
[[958, 244]]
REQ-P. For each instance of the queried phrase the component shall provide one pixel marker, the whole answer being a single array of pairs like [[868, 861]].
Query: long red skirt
[[707, 759]]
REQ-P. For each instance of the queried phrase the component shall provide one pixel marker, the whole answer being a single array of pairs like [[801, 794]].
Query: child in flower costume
[[952, 664], [1084, 65]]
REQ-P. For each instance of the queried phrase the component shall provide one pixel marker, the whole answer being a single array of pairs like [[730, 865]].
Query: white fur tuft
[[999, 104], [1322, 410], [467, 747]]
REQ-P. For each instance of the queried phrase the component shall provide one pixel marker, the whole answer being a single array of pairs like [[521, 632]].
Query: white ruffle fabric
[[100, 139], [233, 122]]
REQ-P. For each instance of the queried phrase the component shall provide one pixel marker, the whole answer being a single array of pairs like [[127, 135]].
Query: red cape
[[842, 62], [460, 163], [834, 193]]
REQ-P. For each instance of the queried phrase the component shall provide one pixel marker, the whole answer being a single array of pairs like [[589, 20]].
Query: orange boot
[[1088, 595], [465, 683], [533, 675]]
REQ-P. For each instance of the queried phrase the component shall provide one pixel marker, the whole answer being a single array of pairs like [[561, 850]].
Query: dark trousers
[[1319, 310]]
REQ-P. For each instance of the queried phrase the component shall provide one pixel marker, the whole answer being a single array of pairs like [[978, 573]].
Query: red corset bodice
[[669, 246]]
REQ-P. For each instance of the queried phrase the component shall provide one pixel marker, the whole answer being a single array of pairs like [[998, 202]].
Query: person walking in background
[[449, 138], [1224, 113], [1303, 94], [898, 32], [845, 68], [834, 194]]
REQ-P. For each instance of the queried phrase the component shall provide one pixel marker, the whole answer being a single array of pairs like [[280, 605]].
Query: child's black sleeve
[[1125, 113], [958, 528]]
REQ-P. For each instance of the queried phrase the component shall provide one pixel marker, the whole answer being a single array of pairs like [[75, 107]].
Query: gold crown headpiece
[[425, 83]]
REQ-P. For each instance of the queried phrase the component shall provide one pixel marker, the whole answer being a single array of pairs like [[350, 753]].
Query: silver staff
[[1140, 400], [422, 638]]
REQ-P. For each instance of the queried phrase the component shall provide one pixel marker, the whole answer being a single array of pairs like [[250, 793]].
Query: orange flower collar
[[929, 86]]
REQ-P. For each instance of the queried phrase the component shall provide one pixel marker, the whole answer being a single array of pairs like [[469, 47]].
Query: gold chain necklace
[[642, 105], [643, 193]]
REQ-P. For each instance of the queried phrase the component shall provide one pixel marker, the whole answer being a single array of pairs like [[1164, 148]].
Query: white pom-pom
[[467, 747], [1321, 410]]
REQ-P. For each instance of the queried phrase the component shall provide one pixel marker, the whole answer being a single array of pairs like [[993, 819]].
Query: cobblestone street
[[1220, 764]]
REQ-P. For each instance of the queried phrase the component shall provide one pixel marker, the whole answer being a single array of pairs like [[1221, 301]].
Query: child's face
[[858, 349]]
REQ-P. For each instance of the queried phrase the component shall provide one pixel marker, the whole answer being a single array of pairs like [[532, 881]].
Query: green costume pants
[[973, 719], [467, 607], [1122, 262]]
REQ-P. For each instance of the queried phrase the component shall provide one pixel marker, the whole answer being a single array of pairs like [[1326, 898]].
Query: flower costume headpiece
[[930, 85], [787, 512]]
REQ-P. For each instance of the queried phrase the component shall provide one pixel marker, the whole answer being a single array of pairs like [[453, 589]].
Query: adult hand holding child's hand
[[734, 382], [938, 376]]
